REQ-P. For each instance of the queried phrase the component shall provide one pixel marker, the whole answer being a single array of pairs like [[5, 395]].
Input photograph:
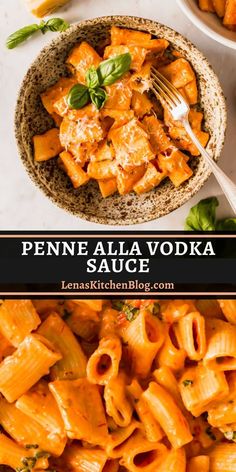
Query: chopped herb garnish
[[157, 310], [40, 454], [230, 435], [117, 305], [31, 446], [187, 382], [130, 312], [209, 432]]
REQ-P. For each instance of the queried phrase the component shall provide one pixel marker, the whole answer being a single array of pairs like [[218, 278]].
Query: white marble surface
[[22, 205]]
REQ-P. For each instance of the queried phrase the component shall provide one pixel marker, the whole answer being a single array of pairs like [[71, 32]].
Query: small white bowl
[[209, 23]]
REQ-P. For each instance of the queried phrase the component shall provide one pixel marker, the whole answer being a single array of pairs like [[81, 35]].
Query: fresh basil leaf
[[202, 217], [56, 24], [112, 69], [21, 35], [98, 97], [92, 78], [228, 224], [78, 96]]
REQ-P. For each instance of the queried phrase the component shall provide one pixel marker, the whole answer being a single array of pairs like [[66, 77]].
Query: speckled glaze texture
[[87, 202]]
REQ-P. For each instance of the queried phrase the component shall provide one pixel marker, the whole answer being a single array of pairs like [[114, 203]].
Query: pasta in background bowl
[[86, 201], [209, 23], [118, 385]]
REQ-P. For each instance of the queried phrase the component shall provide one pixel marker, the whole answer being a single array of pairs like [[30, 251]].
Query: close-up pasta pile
[[120, 385], [110, 127], [224, 9]]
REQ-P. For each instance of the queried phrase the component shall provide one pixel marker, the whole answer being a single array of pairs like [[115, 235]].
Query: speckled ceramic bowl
[[86, 202]]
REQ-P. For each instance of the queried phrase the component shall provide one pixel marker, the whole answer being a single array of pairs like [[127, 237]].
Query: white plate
[[209, 23]]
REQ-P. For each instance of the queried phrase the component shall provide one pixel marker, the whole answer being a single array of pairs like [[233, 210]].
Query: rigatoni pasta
[[118, 385], [125, 141]]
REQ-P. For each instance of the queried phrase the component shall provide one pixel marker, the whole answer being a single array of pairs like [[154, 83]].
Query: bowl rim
[[17, 120], [186, 8]]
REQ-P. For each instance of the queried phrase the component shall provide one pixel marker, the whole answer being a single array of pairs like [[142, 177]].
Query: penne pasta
[[171, 354], [23, 428], [224, 411], [223, 458], [13, 455], [39, 404], [221, 345], [81, 408], [228, 308], [18, 319], [72, 365], [103, 365], [200, 386], [145, 333], [89, 460], [141, 455], [117, 404], [168, 415], [191, 335], [118, 439], [118, 385], [199, 464], [152, 429], [31, 361], [165, 377], [175, 461]]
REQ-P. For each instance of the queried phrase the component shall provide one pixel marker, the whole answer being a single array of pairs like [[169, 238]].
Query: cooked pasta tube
[[192, 336], [175, 461], [200, 386], [223, 458], [82, 320], [173, 310], [31, 361], [6, 349], [12, 455], [103, 365], [95, 305], [199, 464], [116, 445], [117, 404], [18, 319], [144, 336], [165, 377], [168, 415], [152, 429], [108, 322], [221, 345], [82, 410], [39, 404], [224, 412], [22, 428], [73, 363], [170, 354], [78, 458], [229, 309], [141, 455], [209, 308]]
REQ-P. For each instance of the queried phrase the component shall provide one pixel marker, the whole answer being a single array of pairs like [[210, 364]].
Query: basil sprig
[[106, 74], [54, 24], [202, 217], [78, 96]]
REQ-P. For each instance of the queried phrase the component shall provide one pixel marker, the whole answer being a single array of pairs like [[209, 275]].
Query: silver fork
[[172, 99]]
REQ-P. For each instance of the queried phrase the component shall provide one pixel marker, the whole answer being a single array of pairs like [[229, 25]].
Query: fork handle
[[227, 185]]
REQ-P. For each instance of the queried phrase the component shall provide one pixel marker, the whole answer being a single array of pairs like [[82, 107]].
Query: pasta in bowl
[[122, 159], [118, 385]]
